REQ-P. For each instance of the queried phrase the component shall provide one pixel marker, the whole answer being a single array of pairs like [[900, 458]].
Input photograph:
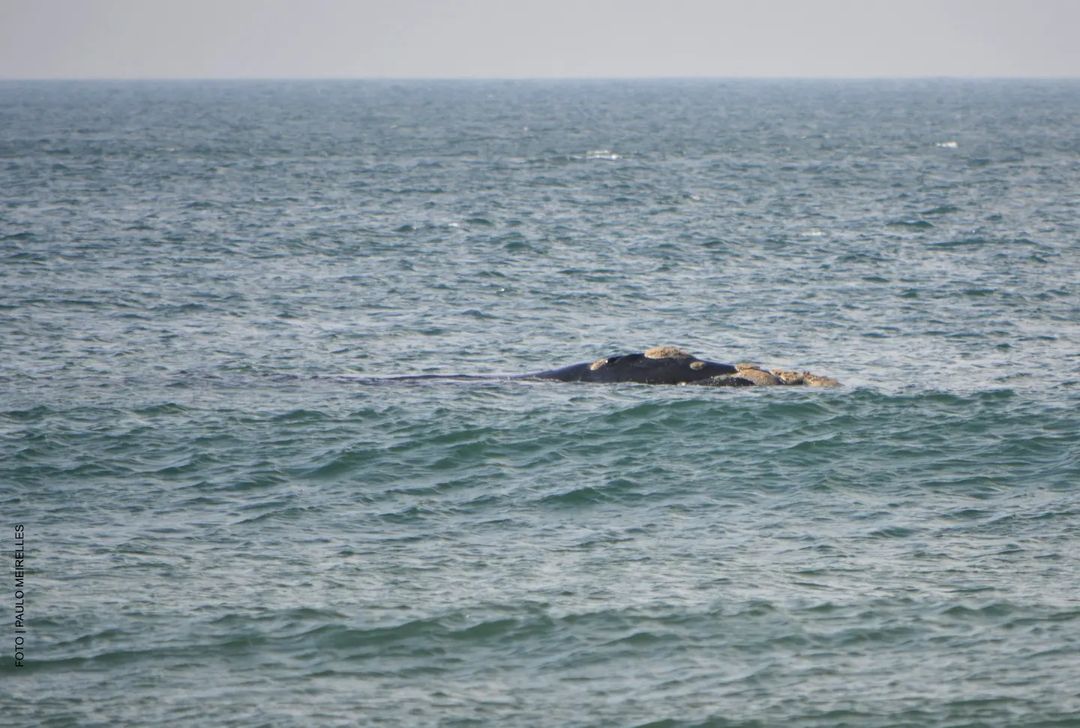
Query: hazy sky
[[539, 38]]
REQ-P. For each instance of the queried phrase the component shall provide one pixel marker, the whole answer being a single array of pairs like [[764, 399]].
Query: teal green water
[[233, 516]]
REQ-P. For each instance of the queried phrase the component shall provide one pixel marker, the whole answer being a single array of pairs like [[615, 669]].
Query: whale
[[674, 365], [657, 365]]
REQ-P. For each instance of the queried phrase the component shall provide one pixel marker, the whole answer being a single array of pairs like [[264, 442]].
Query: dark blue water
[[231, 518]]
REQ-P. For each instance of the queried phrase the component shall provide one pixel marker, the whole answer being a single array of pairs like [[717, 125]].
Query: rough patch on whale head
[[597, 364], [816, 380], [758, 376], [792, 378], [695, 365], [744, 365], [667, 352], [788, 377]]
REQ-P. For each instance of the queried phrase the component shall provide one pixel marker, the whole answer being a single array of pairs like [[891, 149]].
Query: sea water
[[231, 515]]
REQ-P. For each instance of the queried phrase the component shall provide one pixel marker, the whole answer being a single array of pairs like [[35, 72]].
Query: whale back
[[658, 365]]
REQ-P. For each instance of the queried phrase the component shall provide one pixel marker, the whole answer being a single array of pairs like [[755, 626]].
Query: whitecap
[[602, 154]]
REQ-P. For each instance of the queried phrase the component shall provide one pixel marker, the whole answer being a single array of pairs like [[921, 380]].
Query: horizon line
[[899, 77]]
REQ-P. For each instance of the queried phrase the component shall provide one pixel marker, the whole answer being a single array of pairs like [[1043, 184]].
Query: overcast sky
[[539, 38]]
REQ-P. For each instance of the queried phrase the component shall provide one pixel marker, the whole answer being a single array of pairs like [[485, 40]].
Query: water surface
[[228, 521]]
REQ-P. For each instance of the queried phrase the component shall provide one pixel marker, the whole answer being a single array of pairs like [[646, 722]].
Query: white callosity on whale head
[[749, 372], [667, 352]]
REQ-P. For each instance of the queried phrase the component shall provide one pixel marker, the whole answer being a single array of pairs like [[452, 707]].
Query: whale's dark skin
[[639, 368], [658, 365]]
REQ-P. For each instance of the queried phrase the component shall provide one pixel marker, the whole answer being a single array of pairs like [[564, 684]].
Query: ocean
[[220, 507]]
